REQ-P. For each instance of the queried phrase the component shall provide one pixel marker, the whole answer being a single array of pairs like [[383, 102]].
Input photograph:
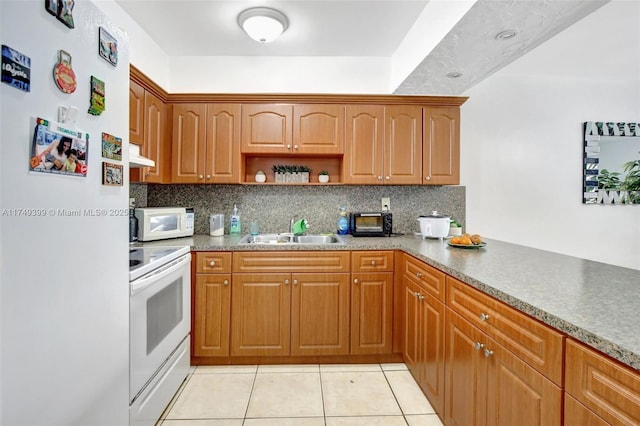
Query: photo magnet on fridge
[[16, 69], [112, 174], [108, 47], [63, 74], [57, 149], [65, 10], [97, 105], [111, 147]]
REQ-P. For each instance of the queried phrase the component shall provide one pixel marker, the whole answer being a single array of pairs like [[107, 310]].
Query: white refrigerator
[[64, 301]]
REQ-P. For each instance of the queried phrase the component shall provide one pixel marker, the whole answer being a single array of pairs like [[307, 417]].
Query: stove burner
[[134, 262]]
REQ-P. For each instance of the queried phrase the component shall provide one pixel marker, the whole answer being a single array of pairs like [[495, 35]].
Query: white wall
[[264, 74], [522, 140], [145, 54]]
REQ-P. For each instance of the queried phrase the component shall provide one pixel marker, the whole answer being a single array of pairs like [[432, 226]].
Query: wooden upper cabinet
[[403, 145], [364, 144], [267, 128], [441, 146], [189, 121], [156, 144], [136, 113], [222, 153], [318, 129]]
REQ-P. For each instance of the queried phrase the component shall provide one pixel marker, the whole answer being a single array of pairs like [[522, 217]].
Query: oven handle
[[142, 283]]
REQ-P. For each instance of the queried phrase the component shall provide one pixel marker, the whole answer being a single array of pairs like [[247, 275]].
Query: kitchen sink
[[286, 238]]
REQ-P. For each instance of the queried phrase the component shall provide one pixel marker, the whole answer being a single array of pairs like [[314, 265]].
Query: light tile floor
[[300, 395]]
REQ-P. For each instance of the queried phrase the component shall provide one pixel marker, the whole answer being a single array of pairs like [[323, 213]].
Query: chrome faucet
[[291, 222]]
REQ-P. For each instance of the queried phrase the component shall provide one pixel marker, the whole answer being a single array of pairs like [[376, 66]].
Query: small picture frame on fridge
[[112, 174], [51, 6], [108, 47]]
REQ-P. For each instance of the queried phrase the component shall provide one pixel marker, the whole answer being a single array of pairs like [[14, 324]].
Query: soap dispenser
[[343, 222], [234, 227]]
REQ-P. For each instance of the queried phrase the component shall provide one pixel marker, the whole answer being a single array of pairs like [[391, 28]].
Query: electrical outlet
[[385, 204]]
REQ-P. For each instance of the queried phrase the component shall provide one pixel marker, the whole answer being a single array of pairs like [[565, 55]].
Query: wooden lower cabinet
[[212, 317], [372, 313], [488, 385], [424, 341], [608, 390], [576, 414], [280, 314]]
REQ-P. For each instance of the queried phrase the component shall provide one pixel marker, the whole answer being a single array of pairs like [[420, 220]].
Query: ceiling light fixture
[[263, 24], [506, 34]]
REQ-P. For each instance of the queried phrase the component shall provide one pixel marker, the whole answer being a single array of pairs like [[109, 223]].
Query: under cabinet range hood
[[137, 160]]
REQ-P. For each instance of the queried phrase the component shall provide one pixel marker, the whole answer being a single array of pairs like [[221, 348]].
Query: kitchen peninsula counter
[[593, 302]]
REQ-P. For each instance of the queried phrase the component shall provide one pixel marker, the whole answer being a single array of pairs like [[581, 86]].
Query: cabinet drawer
[[431, 279], [372, 261], [213, 262], [610, 390], [535, 343], [291, 261], [576, 414]]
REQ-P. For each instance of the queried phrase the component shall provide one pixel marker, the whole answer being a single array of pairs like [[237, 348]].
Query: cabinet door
[[465, 373], [267, 128], [261, 309], [364, 145], [136, 113], [441, 146], [403, 145], [412, 332], [156, 144], [318, 129], [222, 161], [320, 314], [212, 313], [371, 313], [516, 393], [188, 143], [576, 414]]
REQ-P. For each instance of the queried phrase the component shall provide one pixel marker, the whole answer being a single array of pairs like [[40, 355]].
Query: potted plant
[[455, 229], [323, 177]]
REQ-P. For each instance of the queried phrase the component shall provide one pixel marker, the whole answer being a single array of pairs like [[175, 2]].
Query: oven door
[[160, 315]]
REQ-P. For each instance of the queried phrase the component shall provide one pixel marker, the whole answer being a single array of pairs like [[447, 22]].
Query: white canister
[[216, 225]]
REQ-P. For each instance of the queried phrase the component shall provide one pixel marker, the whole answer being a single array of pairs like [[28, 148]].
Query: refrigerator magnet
[[65, 10], [108, 47], [111, 147], [16, 69], [63, 74], [111, 174], [51, 6], [96, 102]]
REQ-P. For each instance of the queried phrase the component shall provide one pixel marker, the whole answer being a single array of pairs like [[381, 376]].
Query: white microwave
[[159, 223]]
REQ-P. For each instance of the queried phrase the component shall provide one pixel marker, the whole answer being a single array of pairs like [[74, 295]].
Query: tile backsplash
[[273, 206]]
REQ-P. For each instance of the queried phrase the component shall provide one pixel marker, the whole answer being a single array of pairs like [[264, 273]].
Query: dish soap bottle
[[234, 227], [343, 222]]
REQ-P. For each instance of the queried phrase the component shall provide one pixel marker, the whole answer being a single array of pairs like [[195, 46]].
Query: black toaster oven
[[371, 224]]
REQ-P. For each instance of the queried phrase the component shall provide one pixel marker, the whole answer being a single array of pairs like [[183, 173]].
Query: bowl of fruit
[[467, 241]]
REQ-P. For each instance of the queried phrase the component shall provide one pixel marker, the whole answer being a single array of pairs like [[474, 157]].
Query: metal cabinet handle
[[286, 282], [373, 263], [484, 317], [379, 177], [479, 346], [208, 176], [200, 176], [419, 274], [427, 177], [387, 177], [212, 263], [420, 297], [225, 282], [295, 147], [488, 353], [288, 146], [295, 282], [356, 281]]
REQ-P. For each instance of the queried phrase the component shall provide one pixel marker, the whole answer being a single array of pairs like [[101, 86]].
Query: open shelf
[[254, 163]]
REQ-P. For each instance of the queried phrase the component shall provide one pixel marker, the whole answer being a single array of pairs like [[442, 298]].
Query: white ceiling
[[364, 29]]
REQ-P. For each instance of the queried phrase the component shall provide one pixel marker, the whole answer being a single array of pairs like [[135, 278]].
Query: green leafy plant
[[324, 172], [631, 182], [609, 180]]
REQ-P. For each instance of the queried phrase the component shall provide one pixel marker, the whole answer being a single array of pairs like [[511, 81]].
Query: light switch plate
[[385, 204]]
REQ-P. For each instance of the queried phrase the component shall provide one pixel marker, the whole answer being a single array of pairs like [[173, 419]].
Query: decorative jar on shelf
[[323, 177], [261, 177]]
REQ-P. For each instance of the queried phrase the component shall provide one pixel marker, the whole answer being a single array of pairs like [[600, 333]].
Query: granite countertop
[[596, 303]]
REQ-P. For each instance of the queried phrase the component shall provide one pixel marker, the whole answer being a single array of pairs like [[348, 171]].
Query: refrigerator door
[[63, 243]]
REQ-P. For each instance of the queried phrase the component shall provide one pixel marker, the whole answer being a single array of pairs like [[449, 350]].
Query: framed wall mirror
[[611, 163]]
